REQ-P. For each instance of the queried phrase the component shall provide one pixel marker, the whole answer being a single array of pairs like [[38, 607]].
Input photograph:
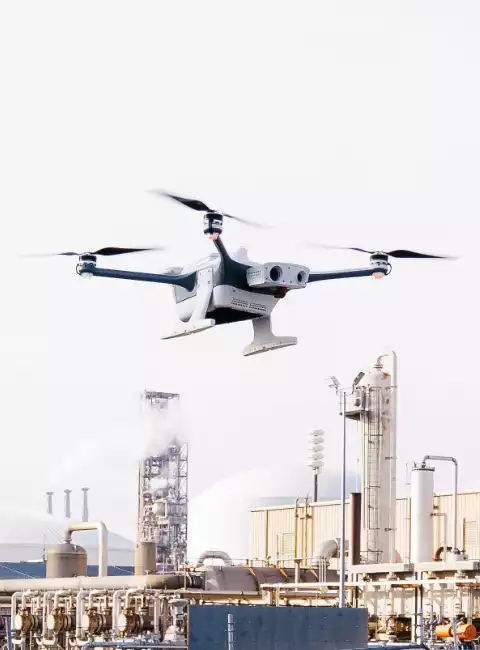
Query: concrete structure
[[273, 538]]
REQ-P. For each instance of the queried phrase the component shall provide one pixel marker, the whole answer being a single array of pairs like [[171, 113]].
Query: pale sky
[[353, 123]]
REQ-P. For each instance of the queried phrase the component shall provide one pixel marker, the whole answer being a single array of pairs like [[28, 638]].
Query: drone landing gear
[[191, 328], [264, 339], [197, 321]]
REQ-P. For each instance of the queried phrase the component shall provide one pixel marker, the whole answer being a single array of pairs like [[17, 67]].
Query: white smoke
[[162, 424]]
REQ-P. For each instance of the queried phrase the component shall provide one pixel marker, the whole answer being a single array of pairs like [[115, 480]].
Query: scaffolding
[[163, 490]]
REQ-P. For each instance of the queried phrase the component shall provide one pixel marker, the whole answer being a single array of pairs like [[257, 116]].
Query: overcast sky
[[350, 123]]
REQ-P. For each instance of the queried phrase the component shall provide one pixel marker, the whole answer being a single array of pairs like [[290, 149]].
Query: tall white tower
[[374, 407]]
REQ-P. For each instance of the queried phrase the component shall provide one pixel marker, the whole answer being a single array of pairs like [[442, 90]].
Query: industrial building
[[273, 530], [371, 566]]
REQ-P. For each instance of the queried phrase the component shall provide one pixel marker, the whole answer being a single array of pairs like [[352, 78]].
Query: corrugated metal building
[[277, 536]]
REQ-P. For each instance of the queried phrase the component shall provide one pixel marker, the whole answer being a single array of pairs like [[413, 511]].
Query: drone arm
[[185, 280], [349, 273]]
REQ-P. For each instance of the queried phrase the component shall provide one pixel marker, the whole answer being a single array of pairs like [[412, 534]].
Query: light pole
[[316, 458], [342, 394]]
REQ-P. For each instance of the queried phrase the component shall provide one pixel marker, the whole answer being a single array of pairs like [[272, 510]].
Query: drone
[[223, 288]]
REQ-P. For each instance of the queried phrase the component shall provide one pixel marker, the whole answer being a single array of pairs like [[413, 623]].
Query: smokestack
[[68, 512], [49, 503], [356, 530], [85, 503]]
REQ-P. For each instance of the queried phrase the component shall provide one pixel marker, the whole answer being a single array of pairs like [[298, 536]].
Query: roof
[[19, 570]]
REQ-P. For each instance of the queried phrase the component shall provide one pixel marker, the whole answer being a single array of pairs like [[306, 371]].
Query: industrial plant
[[371, 567]]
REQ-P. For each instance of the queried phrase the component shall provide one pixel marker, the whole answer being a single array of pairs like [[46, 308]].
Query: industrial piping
[[102, 542], [215, 555], [453, 460]]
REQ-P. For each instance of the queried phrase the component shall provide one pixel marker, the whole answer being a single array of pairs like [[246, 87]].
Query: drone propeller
[[398, 253], [108, 251], [199, 206]]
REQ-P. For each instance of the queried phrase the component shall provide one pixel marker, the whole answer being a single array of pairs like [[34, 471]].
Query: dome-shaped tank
[[66, 561], [145, 558]]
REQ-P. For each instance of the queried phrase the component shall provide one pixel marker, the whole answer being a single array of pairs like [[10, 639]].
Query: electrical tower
[[163, 488]]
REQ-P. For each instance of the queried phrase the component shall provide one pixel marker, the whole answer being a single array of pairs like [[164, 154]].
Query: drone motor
[[212, 224]]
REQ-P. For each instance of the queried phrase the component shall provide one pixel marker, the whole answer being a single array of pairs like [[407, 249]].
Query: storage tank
[[421, 513], [145, 558], [66, 561]]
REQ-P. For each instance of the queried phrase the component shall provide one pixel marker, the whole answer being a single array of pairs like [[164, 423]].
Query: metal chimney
[[49, 503], [85, 503], [68, 512]]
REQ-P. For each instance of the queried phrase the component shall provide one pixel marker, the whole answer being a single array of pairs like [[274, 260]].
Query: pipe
[[49, 496], [297, 569], [295, 529], [92, 593], [47, 597], [102, 542], [453, 460], [13, 609], [68, 512], [356, 527], [165, 581], [444, 543], [85, 503], [79, 607], [156, 614], [344, 496], [213, 554], [57, 594], [404, 584]]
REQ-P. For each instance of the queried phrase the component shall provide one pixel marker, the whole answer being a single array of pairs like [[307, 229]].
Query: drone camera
[[273, 274]]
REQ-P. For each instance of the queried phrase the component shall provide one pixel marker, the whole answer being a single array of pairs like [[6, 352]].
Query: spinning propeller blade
[[199, 206], [399, 253], [107, 251]]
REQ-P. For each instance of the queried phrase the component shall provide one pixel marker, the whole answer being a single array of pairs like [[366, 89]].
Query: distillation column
[[374, 409]]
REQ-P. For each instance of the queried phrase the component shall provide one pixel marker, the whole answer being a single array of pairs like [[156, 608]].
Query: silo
[[421, 513]]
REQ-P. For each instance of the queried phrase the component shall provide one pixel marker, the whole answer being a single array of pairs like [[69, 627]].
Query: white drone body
[[215, 301]]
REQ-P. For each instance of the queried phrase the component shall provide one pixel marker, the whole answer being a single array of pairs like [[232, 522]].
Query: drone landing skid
[[264, 339], [191, 328]]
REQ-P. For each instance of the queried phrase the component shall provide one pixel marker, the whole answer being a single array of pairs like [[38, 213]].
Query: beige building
[[280, 533]]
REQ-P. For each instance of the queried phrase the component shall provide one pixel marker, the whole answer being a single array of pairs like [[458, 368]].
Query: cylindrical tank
[[145, 558], [465, 631], [421, 513], [66, 561]]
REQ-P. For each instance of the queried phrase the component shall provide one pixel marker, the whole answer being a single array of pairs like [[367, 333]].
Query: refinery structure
[[394, 569], [163, 493]]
